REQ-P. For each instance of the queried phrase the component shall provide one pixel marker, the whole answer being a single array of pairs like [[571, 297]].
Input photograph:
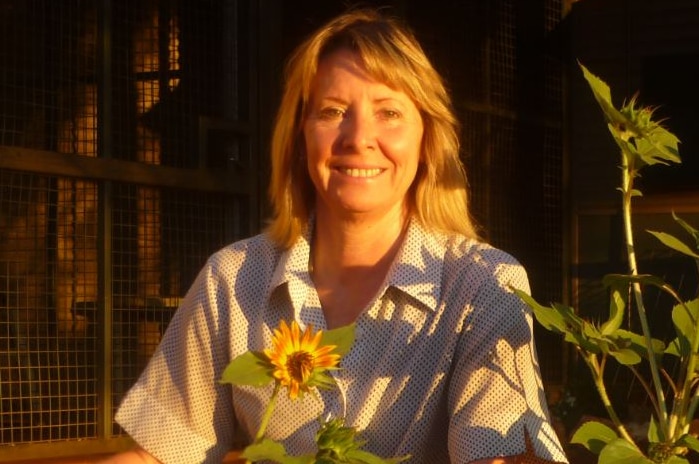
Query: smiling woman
[[363, 142], [371, 227]]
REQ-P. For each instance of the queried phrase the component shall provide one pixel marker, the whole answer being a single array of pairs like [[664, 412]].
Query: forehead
[[346, 67], [341, 62]]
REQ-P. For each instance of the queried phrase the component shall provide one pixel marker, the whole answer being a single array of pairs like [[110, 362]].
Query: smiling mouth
[[356, 172]]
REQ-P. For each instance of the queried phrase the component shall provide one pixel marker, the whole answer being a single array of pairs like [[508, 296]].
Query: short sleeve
[[177, 410]]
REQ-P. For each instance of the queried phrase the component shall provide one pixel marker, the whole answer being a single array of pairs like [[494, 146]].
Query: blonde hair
[[392, 55]]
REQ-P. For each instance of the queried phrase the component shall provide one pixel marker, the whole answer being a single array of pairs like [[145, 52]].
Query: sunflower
[[298, 362]]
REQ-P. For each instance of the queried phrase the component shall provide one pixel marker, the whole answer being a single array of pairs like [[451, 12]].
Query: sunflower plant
[[300, 362], [642, 142]]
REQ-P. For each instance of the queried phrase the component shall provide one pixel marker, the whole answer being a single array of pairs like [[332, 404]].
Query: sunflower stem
[[628, 175], [268, 413]]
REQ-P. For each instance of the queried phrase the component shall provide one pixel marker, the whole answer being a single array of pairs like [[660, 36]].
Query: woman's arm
[[497, 369]]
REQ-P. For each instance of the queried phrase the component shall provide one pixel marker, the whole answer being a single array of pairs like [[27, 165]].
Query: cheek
[[316, 142], [406, 145]]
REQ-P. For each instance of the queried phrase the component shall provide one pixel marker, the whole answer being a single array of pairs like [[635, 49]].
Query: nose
[[359, 131]]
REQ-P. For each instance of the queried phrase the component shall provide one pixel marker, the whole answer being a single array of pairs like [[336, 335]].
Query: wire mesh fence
[[95, 257], [133, 154]]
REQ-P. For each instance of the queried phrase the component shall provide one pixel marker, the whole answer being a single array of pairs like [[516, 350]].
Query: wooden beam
[[86, 167]]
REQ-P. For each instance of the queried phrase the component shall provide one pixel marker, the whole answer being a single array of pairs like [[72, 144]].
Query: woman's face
[[362, 139]]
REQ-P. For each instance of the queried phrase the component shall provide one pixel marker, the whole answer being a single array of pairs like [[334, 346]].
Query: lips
[[357, 172]]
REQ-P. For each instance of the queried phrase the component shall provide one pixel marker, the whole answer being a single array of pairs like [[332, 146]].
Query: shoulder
[[480, 257], [252, 256], [480, 280], [481, 266], [460, 263]]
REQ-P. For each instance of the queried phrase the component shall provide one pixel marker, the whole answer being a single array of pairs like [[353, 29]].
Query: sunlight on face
[[363, 140]]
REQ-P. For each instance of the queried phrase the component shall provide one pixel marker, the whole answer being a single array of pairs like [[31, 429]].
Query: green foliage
[[620, 451], [271, 450], [251, 368], [642, 142], [671, 242], [684, 318], [341, 337], [608, 339], [594, 436], [337, 443]]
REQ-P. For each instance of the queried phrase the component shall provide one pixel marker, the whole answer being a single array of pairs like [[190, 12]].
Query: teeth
[[355, 172]]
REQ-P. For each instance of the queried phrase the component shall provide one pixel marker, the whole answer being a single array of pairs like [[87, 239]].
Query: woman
[[371, 226]]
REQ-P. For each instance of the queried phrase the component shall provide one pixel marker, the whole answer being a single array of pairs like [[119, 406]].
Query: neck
[[350, 258], [356, 243]]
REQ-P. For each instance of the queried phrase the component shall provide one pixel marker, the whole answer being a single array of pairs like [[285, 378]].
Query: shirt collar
[[292, 270], [417, 270]]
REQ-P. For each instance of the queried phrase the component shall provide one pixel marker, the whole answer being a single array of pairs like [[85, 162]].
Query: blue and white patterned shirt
[[443, 368]]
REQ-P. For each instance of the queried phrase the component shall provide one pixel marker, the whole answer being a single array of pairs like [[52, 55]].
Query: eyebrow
[[374, 101], [334, 99]]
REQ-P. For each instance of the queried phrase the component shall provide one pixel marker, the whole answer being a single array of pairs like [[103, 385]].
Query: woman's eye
[[331, 113], [390, 114]]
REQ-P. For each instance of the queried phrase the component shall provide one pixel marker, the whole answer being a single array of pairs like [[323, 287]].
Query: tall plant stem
[[597, 370], [268, 413], [628, 175], [685, 402], [694, 402]]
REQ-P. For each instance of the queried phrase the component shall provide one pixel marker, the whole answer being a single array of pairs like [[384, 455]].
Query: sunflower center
[[300, 365]]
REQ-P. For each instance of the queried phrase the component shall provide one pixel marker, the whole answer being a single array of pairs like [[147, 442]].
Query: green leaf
[[250, 368], [270, 450], [676, 460], [621, 281], [603, 95], [594, 436], [657, 145], [321, 379], [690, 230], [341, 337], [625, 339], [684, 317], [589, 329], [548, 317], [653, 431], [617, 307], [557, 318], [562, 319], [620, 451], [676, 347], [626, 356], [674, 243], [588, 338], [642, 140], [690, 441]]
